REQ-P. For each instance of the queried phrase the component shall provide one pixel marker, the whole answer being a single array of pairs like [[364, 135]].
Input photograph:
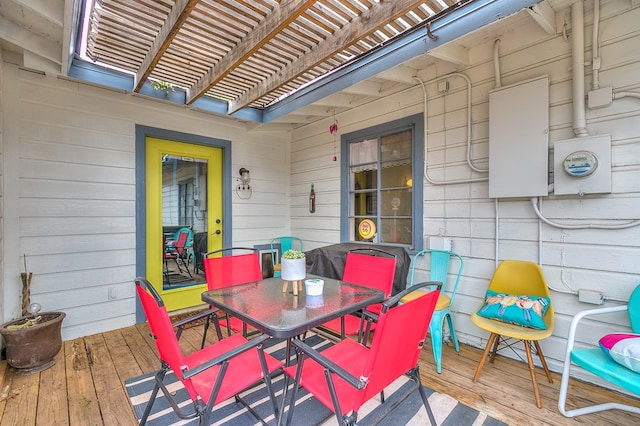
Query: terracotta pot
[[32, 349]]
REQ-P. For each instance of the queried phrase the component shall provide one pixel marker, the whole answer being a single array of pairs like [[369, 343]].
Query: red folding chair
[[210, 375], [223, 268], [178, 252], [348, 374], [369, 267]]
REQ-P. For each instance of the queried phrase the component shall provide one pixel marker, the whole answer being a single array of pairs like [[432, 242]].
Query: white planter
[[293, 269]]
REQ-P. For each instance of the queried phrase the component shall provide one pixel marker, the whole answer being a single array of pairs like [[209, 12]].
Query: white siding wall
[[68, 188], [2, 203], [605, 260], [69, 192]]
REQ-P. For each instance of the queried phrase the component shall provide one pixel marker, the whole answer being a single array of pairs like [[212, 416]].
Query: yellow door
[[183, 217]]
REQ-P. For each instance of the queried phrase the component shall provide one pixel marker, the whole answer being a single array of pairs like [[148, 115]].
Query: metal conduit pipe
[[595, 47], [534, 203], [496, 62], [577, 47], [620, 95]]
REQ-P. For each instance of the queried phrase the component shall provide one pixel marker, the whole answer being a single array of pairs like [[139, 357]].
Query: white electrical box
[[582, 165], [519, 139], [439, 243]]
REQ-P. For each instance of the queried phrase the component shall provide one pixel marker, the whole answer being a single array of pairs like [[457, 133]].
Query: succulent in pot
[[293, 265]]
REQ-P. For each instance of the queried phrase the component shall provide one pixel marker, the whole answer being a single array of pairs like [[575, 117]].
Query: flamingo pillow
[[526, 311], [623, 348]]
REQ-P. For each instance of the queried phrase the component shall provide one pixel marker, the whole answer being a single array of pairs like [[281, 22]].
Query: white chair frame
[[566, 372]]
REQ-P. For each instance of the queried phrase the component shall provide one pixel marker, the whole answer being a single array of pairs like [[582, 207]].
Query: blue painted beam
[[107, 77]]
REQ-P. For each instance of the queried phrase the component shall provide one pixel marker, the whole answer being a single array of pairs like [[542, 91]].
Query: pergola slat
[[248, 52]]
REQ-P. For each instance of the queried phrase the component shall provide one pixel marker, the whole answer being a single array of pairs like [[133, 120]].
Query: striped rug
[[401, 395]]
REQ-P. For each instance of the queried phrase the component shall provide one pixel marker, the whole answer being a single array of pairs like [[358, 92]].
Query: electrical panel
[[519, 139]]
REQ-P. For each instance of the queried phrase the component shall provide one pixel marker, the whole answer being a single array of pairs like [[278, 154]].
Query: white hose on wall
[[535, 201], [620, 95], [425, 116]]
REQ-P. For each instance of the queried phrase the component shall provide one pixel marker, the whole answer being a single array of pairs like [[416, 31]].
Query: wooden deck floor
[[85, 386]]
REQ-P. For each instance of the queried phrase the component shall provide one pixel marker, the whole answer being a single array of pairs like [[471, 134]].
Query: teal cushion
[[523, 310], [597, 362]]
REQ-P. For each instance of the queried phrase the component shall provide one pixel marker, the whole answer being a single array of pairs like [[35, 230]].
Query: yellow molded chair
[[595, 361], [517, 277], [286, 243], [438, 271]]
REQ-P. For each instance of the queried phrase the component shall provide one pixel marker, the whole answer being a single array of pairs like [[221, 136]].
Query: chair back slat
[[288, 243], [439, 266], [162, 331], [181, 242], [397, 343], [223, 271], [634, 310], [440, 261], [371, 271]]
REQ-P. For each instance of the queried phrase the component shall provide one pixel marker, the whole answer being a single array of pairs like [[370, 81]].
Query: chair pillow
[[523, 310], [623, 348]]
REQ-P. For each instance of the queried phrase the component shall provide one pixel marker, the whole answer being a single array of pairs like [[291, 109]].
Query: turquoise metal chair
[[286, 243], [595, 361], [439, 271]]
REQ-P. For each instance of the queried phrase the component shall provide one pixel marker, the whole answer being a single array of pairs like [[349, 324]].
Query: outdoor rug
[[401, 398]]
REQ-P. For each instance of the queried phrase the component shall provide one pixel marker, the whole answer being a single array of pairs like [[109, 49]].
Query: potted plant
[[294, 266], [33, 340]]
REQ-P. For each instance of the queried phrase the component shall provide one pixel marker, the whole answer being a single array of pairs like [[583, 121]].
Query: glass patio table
[[279, 314], [266, 307]]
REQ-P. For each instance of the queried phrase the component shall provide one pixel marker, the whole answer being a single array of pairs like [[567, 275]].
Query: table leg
[[297, 286]]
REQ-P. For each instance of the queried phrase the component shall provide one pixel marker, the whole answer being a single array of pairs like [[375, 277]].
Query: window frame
[[415, 123]]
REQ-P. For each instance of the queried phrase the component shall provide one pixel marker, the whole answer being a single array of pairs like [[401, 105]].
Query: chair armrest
[[395, 299], [225, 356], [328, 364], [195, 317], [179, 325], [368, 316], [582, 314]]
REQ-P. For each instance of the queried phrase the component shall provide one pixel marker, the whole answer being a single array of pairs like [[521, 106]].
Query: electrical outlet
[[591, 296]]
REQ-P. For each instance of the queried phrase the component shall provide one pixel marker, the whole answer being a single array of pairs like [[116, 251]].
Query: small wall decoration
[[333, 130]]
